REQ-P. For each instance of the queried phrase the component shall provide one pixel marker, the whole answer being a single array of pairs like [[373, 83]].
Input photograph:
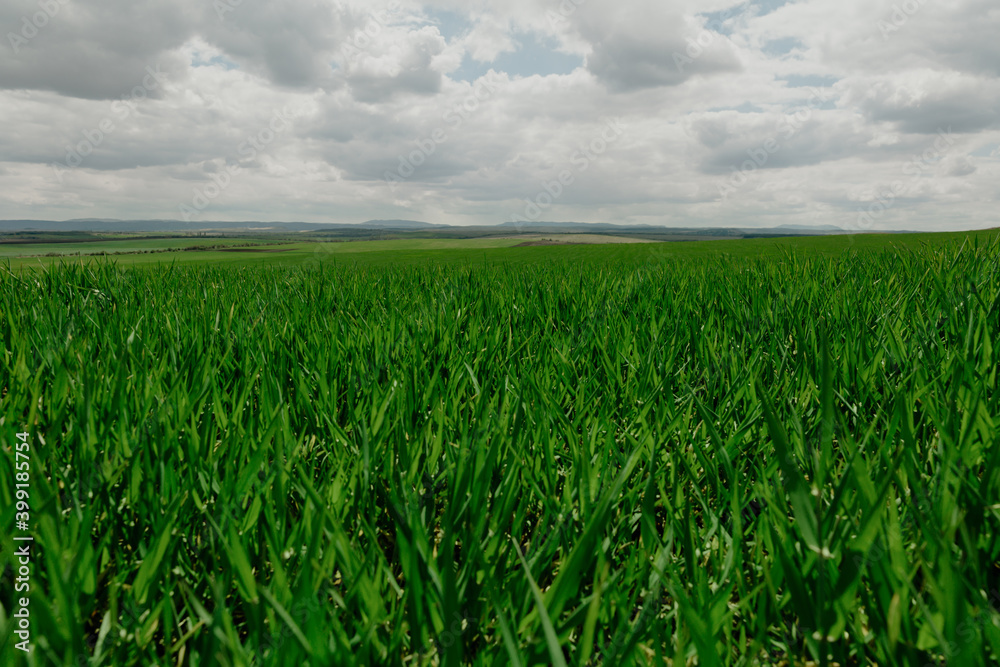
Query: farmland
[[773, 452], [287, 251]]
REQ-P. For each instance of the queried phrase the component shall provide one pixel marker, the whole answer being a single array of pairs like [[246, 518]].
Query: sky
[[861, 114]]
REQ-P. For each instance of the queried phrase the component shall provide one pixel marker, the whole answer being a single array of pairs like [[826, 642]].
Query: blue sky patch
[[533, 56], [988, 150], [199, 61], [765, 7], [781, 47], [450, 24], [808, 80], [722, 21]]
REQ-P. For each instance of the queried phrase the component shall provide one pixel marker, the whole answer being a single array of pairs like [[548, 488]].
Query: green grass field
[[774, 452]]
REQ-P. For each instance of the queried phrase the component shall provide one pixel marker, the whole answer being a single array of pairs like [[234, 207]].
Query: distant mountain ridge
[[399, 224], [147, 226]]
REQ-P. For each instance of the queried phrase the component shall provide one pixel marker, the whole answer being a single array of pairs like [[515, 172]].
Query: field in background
[[286, 250], [730, 453], [71, 249], [577, 239]]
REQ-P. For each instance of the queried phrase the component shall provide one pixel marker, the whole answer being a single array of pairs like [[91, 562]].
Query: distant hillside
[[812, 229], [715, 232], [401, 226]]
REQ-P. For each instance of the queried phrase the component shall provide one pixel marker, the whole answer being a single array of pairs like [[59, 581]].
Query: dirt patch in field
[[547, 242], [253, 250]]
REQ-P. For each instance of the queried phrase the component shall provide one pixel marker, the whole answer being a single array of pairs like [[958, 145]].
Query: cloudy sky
[[865, 114]]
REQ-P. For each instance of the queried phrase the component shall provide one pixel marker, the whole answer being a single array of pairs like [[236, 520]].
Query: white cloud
[[489, 37]]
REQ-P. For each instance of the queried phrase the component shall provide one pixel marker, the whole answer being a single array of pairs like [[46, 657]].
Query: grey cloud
[[115, 136], [650, 47], [438, 169], [381, 76], [958, 36], [927, 106], [712, 132], [776, 142], [414, 78], [961, 35], [958, 166], [91, 49], [98, 49], [371, 154], [291, 44], [625, 65]]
